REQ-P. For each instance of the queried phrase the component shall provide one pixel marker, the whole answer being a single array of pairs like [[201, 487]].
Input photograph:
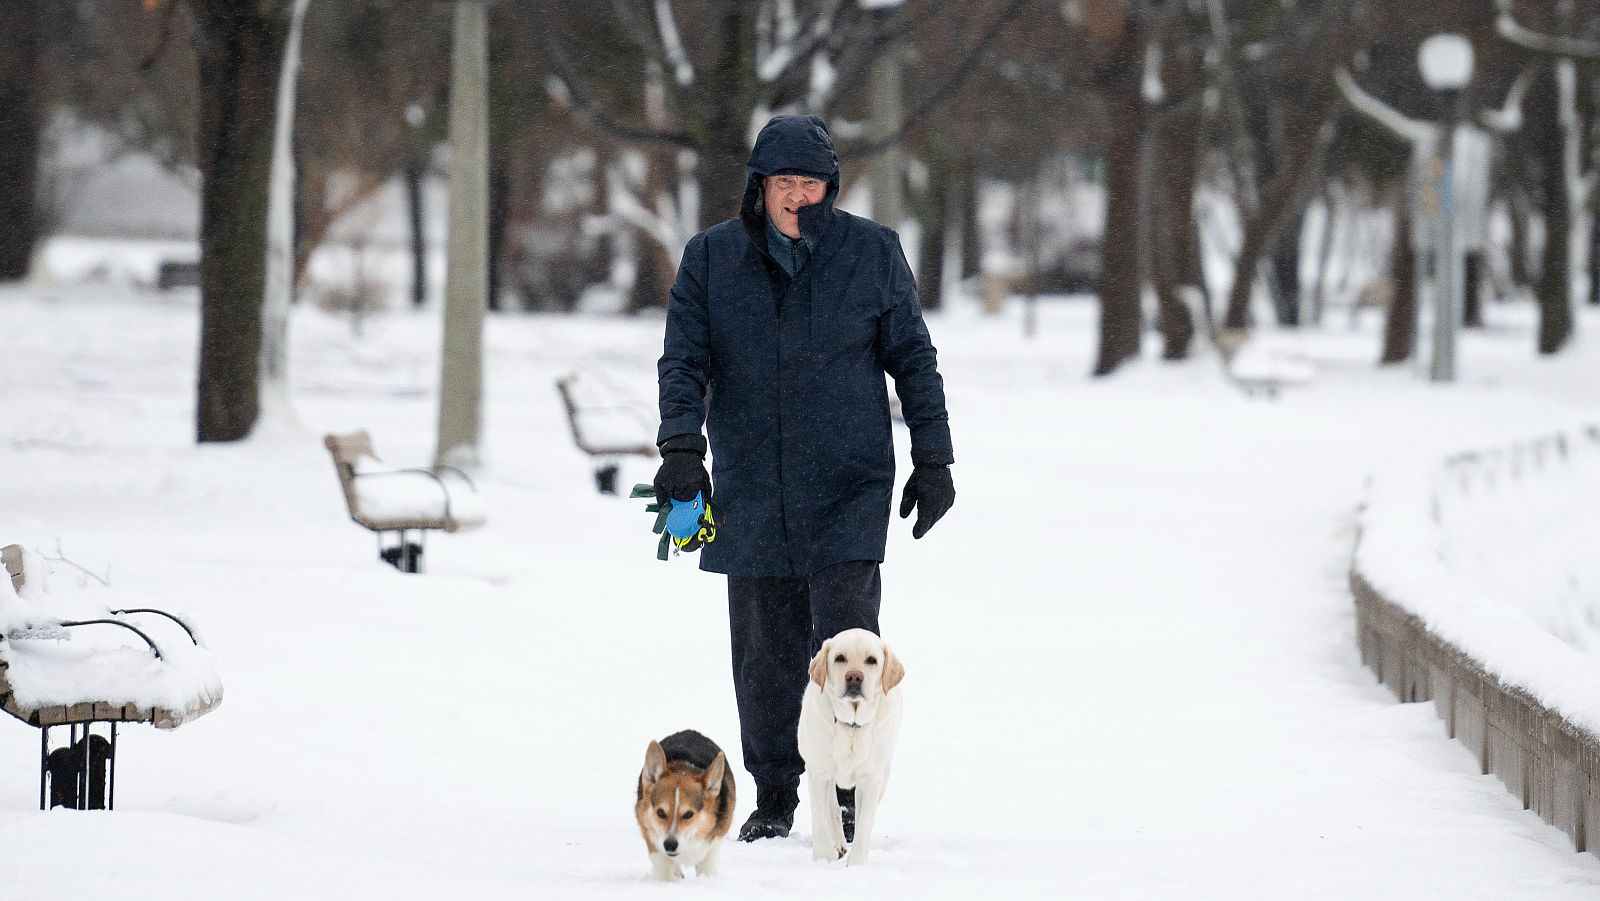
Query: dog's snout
[[854, 677], [670, 845]]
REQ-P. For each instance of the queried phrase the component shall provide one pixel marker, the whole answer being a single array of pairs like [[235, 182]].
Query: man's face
[[784, 195]]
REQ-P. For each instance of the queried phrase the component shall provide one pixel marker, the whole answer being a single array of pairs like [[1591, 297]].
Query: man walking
[[781, 326]]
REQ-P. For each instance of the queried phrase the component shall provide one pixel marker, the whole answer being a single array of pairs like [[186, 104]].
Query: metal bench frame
[[349, 448]]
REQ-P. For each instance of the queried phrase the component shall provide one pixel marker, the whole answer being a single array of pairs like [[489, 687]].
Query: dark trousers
[[778, 624]]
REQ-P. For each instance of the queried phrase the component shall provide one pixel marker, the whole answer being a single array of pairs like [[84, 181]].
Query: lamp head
[[1445, 61]]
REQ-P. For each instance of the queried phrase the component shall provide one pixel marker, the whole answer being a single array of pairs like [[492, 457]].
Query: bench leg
[[406, 555], [86, 782]]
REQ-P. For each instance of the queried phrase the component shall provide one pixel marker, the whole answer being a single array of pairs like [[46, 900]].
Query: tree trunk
[[21, 119], [279, 290], [722, 139], [240, 53], [1175, 270], [653, 265], [413, 173], [499, 209], [935, 231], [1120, 280], [466, 271], [966, 188], [1510, 176], [1281, 200], [1400, 326], [1285, 259], [1554, 288]]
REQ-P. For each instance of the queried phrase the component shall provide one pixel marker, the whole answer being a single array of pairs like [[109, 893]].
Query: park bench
[[605, 427], [70, 659], [390, 501]]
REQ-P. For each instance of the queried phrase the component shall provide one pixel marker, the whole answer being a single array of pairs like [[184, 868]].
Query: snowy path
[[1130, 664]]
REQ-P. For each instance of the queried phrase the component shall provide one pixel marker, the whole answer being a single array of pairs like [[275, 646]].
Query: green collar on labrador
[[840, 722]]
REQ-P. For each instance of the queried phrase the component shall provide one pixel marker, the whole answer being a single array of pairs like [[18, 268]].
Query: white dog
[[849, 718]]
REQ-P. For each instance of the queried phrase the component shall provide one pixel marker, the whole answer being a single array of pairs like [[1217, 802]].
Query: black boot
[[847, 812], [774, 814]]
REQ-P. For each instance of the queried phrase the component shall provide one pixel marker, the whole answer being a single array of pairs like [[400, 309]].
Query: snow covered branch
[[1413, 130], [789, 53], [581, 99], [1528, 39], [672, 43], [1508, 118]]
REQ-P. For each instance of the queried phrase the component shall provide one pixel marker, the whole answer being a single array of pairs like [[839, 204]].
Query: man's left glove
[[683, 470], [932, 492]]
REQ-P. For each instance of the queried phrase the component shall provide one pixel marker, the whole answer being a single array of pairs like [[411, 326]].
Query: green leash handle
[[660, 527]]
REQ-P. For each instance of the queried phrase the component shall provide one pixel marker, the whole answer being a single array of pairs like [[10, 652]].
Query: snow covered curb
[[1475, 589]]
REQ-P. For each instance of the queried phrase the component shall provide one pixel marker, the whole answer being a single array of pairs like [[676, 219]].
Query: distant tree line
[[619, 127]]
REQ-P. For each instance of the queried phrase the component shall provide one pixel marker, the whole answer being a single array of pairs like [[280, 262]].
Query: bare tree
[[742, 58], [241, 52], [21, 121]]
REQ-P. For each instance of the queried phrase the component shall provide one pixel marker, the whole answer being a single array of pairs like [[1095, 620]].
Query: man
[[781, 326]]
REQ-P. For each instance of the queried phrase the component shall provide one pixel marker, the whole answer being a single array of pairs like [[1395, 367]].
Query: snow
[[1495, 553], [386, 493], [1131, 669]]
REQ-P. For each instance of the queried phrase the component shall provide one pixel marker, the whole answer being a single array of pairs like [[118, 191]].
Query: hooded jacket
[[787, 373]]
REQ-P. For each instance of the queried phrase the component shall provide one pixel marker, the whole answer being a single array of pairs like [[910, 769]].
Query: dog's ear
[[893, 669], [655, 763], [819, 666], [715, 772]]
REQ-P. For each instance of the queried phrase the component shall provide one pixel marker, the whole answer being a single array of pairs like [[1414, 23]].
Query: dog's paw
[[857, 856], [825, 852]]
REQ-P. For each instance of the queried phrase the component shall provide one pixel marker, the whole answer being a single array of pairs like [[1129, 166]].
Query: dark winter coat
[[787, 374]]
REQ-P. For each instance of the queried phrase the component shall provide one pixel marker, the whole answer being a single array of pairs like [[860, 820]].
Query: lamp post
[[1446, 64]]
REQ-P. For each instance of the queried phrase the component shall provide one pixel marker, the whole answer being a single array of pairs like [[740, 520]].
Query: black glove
[[931, 490], [683, 470]]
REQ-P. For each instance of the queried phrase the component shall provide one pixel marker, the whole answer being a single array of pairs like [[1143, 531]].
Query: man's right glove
[[932, 492], [683, 470]]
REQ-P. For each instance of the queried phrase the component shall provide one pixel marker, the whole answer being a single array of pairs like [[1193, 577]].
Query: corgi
[[685, 804]]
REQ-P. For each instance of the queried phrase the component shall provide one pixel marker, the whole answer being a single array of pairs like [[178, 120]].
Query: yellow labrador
[[849, 718]]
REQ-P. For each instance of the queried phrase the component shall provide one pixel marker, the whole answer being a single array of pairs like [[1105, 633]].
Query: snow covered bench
[[67, 658], [385, 499], [604, 428]]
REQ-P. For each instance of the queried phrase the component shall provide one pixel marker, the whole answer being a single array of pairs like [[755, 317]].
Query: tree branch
[[630, 14], [1538, 42], [821, 27], [672, 41], [942, 93], [1414, 131], [556, 59]]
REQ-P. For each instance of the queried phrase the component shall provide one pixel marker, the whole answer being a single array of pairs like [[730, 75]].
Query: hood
[[798, 144]]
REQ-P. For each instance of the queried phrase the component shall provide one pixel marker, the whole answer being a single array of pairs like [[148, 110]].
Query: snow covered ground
[[1131, 671]]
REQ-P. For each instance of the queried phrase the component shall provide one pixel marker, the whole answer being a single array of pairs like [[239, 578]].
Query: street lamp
[[1446, 64]]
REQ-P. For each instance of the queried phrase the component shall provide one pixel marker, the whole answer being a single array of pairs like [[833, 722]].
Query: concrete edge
[[1550, 763]]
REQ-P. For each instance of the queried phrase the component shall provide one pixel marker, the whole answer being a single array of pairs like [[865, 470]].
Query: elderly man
[[781, 326]]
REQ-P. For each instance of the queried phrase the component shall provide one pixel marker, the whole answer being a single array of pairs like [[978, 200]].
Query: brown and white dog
[[849, 719], [685, 804]]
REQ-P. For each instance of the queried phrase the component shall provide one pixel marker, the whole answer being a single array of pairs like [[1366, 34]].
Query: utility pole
[[467, 253]]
